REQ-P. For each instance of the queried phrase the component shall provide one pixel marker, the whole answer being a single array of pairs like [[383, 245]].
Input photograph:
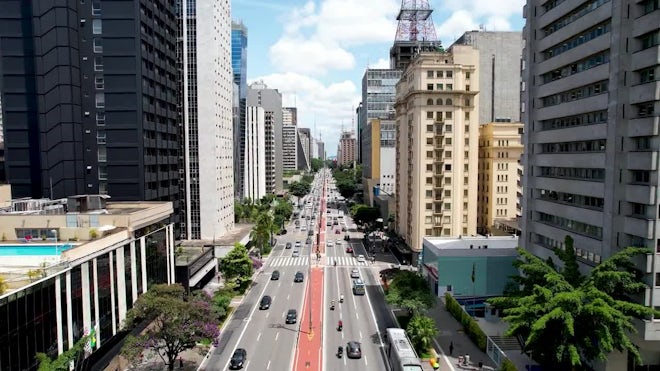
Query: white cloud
[[459, 17], [328, 105], [307, 56], [454, 26], [381, 63], [316, 39]]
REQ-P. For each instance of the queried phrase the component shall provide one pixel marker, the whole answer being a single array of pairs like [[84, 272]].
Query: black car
[[310, 233], [265, 302], [299, 277], [288, 245], [238, 359], [309, 240], [275, 275], [353, 350], [291, 316]]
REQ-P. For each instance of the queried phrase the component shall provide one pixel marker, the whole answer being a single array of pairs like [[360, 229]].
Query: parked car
[[291, 316], [265, 302], [238, 359]]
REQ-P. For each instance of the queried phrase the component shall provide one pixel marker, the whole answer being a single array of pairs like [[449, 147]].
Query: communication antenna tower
[[415, 22]]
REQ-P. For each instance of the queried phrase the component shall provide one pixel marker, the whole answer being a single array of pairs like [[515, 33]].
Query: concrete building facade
[[289, 139], [259, 95], [378, 159], [321, 149], [500, 54], [346, 149], [89, 99], [378, 97], [437, 120], [500, 173], [591, 110], [304, 149], [208, 127], [255, 154], [239, 44]]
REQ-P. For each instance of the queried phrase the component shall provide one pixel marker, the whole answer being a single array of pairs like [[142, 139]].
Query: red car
[[349, 249]]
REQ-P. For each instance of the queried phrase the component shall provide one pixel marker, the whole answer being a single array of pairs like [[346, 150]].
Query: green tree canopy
[[566, 325], [317, 164], [299, 189], [63, 361], [421, 330], [363, 214], [410, 291], [236, 264], [177, 323]]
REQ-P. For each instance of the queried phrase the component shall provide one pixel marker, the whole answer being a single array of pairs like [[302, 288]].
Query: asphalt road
[[271, 344]]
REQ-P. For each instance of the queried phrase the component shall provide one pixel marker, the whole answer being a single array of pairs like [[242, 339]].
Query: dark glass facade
[[28, 318], [239, 43]]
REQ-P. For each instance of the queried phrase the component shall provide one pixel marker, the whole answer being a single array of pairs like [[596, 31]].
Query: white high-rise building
[[207, 119], [255, 153]]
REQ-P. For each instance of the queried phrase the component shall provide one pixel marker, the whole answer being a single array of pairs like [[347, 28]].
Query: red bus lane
[[309, 350]]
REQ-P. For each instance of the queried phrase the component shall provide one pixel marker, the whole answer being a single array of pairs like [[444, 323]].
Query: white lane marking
[[287, 297], [259, 336], [277, 334], [267, 314], [247, 364], [365, 361], [240, 337], [373, 317], [268, 366], [360, 335]]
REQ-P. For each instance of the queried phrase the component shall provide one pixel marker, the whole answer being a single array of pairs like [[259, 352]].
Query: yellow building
[[437, 146], [500, 151]]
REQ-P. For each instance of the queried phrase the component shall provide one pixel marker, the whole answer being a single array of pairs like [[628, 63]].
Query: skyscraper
[[259, 95], [255, 154], [591, 112], [304, 149], [289, 139], [89, 98], [346, 148], [207, 118], [239, 43]]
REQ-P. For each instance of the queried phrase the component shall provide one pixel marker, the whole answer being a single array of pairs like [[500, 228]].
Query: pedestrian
[[467, 359], [481, 365], [180, 362], [451, 347]]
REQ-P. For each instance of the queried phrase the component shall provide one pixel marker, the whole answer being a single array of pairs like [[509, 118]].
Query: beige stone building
[[346, 148], [499, 186], [437, 145]]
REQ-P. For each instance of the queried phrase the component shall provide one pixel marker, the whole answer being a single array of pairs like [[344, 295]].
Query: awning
[[194, 280]]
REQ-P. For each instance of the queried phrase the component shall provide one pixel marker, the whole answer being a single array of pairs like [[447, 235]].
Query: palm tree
[[421, 330]]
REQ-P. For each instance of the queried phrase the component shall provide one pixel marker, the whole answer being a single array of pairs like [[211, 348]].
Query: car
[[355, 273], [291, 316], [275, 275], [265, 302], [337, 231], [329, 244], [298, 243], [349, 249], [343, 229], [297, 222], [338, 241], [309, 241], [238, 359], [288, 245], [353, 350], [303, 228], [328, 224], [360, 258], [310, 233], [299, 277], [296, 253]]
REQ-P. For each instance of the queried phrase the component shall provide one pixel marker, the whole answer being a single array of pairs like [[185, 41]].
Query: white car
[[355, 273], [295, 254], [329, 244], [303, 228], [360, 258]]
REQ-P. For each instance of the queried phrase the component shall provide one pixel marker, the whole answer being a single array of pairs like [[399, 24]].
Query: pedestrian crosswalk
[[304, 260]]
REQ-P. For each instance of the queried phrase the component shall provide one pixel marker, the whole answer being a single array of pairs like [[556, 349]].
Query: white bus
[[400, 352]]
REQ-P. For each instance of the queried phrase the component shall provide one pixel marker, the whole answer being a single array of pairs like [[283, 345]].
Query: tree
[[262, 231], [421, 330], [410, 291], [236, 264], [63, 361], [317, 164], [299, 189], [284, 209], [566, 326], [177, 323], [365, 215]]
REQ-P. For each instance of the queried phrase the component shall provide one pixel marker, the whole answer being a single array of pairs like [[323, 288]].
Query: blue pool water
[[28, 249]]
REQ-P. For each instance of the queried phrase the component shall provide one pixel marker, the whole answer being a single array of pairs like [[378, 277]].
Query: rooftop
[[238, 234], [491, 245]]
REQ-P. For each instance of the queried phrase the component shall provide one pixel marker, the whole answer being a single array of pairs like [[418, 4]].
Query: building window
[[640, 176], [645, 109], [99, 82], [577, 40], [467, 75], [576, 94], [447, 167], [96, 8], [450, 87], [429, 74], [429, 86], [647, 75], [573, 16], [440, 74], [429, 102], [649, 40], [429, 114], [439, 86], [450, 74], [448, 115], [100, 100], [642, 143], [97, 26], [98, 45], [590, 118], [429, 128], [467, 87], [449, 102], [98, 64], [448, 128]]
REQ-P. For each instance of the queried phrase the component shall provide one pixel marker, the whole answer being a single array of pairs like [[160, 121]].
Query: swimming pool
[[32, 250]]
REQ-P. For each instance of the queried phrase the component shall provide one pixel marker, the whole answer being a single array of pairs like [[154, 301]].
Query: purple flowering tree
[[176, 323]]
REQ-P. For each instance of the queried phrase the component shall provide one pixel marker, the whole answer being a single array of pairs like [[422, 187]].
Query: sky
[[315, 52]]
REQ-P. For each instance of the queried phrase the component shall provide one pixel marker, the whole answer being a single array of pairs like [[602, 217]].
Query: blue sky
[[315, 52]]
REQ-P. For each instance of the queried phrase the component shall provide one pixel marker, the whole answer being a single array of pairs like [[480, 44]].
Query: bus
[[358, 287], [399, 351]]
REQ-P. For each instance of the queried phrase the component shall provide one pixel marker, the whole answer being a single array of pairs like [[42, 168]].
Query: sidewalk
[[451, 331]]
